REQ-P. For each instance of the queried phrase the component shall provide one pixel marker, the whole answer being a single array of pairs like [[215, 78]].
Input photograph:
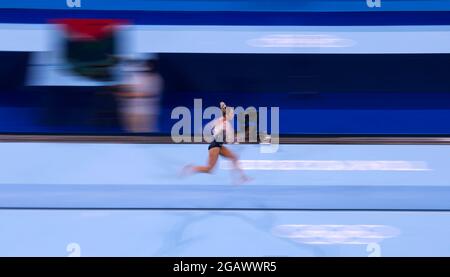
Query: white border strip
[[331, 165], [252, 39]]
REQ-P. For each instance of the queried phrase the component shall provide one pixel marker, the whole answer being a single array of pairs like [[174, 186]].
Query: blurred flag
[[90, 46]]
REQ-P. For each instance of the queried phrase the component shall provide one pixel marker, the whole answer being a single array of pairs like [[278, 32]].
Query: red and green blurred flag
[[90, 46]]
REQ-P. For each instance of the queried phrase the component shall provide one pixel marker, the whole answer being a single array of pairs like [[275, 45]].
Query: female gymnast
[[222, 131]]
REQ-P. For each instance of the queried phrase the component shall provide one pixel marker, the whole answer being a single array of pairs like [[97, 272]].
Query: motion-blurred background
[[332, 68]]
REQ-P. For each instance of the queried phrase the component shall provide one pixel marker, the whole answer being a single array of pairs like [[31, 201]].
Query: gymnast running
[[222, 131]]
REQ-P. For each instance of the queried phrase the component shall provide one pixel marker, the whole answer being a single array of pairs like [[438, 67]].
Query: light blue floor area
[[223, 233], [70, 175], [294, 206]]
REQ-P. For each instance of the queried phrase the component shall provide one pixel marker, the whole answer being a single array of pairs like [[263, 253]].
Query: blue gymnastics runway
[[72, 199]]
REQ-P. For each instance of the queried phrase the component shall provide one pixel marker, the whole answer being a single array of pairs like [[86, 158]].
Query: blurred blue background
[[348, 69]]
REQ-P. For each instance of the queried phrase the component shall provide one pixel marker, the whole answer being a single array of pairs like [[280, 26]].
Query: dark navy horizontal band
[[236, 18]]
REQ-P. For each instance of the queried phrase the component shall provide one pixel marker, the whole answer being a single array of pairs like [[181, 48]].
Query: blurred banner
[[90, 46], [233, 5], [247, 39]]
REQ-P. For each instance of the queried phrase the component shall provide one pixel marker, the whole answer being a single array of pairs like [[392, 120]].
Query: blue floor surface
[[304, 200]]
